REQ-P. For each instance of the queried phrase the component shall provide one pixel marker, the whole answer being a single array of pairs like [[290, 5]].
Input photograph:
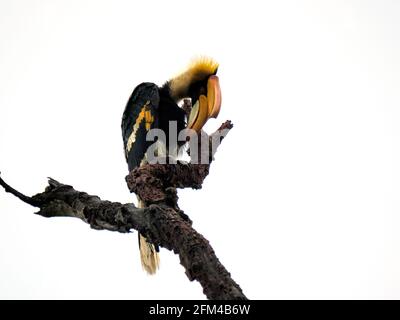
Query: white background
[[303, 198]]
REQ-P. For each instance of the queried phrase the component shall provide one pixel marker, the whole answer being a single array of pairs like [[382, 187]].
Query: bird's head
[[200, 83]]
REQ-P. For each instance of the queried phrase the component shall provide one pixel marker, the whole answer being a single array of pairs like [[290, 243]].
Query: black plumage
[[163, 109]]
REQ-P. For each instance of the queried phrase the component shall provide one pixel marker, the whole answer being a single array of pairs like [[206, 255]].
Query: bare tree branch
[[161, 222], [16, 193]]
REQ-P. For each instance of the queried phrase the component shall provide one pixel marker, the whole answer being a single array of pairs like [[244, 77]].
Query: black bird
[[153, 107]]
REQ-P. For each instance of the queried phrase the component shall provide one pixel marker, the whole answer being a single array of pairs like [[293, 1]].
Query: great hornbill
[[153, 107]]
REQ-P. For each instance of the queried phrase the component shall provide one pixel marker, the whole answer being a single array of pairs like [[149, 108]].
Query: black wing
[[139, 117]]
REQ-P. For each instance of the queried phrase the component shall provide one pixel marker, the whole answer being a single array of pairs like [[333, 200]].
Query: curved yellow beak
[[207, 106]]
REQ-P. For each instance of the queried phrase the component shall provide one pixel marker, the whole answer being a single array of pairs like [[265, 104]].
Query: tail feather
[[148, 252], [148, 256]]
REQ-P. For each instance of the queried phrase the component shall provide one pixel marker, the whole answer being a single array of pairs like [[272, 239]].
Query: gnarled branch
[[162, 222]]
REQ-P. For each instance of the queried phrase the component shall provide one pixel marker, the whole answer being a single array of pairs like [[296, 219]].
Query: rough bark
[[162, 222]]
